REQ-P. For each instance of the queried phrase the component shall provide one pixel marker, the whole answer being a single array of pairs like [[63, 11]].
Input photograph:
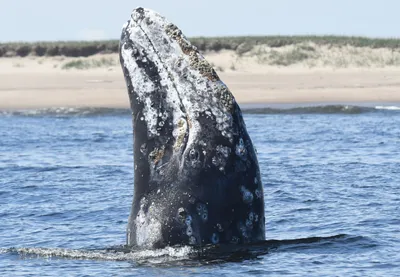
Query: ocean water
[[66, 188]]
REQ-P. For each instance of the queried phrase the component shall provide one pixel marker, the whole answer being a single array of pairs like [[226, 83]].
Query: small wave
[[186, 255], [325, 109], [388, 108], [84, 112], [66, 112], [157, 256]]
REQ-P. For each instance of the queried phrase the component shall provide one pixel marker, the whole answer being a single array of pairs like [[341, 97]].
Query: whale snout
[[138, 14]]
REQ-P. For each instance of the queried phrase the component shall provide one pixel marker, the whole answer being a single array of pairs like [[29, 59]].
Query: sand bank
[[34, 82]]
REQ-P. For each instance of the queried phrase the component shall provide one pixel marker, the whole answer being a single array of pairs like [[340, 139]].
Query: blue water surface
[[67, 182]]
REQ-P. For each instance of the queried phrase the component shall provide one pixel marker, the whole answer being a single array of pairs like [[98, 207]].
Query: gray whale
[[196, 174]]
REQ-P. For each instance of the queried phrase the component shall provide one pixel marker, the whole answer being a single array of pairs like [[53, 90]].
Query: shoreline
[[245, 108], [33, 83]]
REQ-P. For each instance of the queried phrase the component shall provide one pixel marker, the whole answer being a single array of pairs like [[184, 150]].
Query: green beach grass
[[282, 51], [240, 45], [89, 63]]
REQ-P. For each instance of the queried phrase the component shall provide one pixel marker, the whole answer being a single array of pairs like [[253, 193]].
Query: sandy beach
[[42, 82]]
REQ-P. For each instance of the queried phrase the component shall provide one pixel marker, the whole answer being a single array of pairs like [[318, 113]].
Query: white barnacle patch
[[181, 213], [202, 143], [247, 196], [163, 116], [192, 240], [202, 211], [249, 224], [190, 81], [251, 216], [199, 89], [224, 122], [241, 149], [250, 220], [143, 149], [141, 49], [143, 87], [148, 228], [221, 156], [258, 193], [179, 133], [137, 16], [208, 114], [245, 228]]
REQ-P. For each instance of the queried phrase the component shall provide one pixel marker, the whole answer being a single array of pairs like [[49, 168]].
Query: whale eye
[[193, 155]]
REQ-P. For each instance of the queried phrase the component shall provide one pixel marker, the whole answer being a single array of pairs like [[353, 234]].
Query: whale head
[[196, 175]]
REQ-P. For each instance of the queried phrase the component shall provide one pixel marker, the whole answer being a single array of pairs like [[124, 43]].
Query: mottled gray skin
[[197, 178]]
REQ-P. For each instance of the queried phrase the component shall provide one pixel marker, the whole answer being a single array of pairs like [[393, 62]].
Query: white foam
[[149, 256], [390, 108]]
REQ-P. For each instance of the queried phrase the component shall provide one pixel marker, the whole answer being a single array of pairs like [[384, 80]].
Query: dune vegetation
[[240, 44], [336, 51]]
